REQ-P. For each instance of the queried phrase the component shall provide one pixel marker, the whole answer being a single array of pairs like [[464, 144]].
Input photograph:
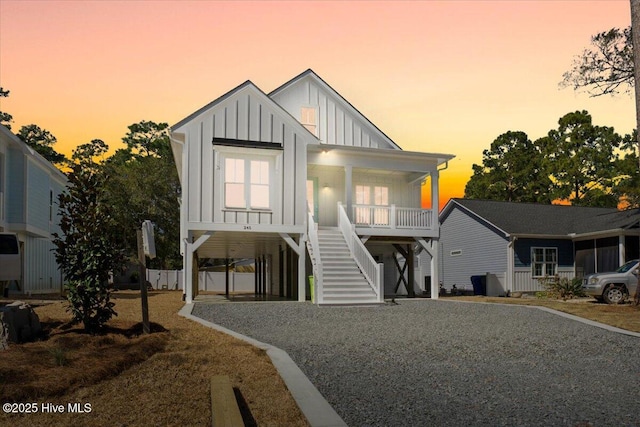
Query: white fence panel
[[212, 281]]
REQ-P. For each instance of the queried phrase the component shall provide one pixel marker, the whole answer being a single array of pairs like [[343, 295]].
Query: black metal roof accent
[[246, 143]]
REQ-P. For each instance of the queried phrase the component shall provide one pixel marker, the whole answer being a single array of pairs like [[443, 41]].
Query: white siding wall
[[336, 124], [244, 116], [483, 251], [523, 282]]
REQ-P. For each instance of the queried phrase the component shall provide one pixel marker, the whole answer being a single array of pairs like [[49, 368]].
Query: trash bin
[[479, 285], [311, 290]]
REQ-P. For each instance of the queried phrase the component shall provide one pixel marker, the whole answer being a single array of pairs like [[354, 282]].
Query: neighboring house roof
[[530, 219], [16, 142], [311, 74]]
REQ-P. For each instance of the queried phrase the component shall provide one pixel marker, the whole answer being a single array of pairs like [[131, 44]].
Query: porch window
[[376, 213], [246, 183], [544, 262], [308, 119]]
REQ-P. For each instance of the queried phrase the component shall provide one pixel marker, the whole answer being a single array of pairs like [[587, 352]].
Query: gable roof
[[309, 73], [14, 141], [530, 219]]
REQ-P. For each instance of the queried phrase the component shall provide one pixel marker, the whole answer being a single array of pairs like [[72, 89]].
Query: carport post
[[226, 278]]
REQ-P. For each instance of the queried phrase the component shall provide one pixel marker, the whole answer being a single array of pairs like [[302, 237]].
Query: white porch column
[[348, 190], [300, 249], [435, 268], [302, 276], [187, 262], [187, 266], [621, 251], [435, 204], [511, 247]]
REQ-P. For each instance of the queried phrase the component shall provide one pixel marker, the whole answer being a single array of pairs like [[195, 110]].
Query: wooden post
[[226, 278], [143, 285]]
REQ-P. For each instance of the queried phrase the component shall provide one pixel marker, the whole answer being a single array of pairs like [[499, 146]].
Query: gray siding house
[[516, 244], [29, 189]]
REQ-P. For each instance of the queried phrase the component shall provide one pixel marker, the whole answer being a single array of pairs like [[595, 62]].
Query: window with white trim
[[308, 119], [544, 262], [372, 215], [247, 184]]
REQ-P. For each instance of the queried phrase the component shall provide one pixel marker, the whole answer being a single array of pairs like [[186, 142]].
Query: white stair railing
[[316, 260], [369, 267]]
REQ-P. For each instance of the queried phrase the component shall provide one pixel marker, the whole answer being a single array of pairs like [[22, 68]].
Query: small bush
[[562, 288], [59, 355]]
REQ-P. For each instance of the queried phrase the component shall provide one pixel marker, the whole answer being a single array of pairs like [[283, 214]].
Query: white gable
[[244, 114], [336, 122]]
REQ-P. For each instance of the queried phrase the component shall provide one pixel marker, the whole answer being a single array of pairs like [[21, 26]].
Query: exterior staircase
[[343, 282]]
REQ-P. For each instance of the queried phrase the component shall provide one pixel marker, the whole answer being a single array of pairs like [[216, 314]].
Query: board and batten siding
[[15, 188], [336, 123], [523, 280], [245, 116], [469, 248]]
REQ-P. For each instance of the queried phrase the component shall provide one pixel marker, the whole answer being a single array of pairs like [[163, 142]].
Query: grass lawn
[[624, 316], [131, 379]]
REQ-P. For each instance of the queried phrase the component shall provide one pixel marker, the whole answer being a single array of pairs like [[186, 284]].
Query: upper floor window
[[246, 183], [544, 262], [308, 119]]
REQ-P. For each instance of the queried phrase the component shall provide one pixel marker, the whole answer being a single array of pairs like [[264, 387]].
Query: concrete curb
[[312, 404], [561, 314]]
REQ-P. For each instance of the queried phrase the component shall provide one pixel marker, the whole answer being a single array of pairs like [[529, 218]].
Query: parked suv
[[614, 287]]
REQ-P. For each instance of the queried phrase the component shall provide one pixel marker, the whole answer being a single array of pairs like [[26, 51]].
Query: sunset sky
[[435, 76]]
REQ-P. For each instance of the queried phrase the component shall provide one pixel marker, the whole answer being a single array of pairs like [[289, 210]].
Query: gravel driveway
[[442, 363]]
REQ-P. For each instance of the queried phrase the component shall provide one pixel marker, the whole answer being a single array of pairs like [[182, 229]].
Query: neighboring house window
[[246, 183], [370, 213], [308, 119], [544, 261]]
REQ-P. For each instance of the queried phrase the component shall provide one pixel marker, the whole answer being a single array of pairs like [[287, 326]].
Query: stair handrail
[[316, 260], [369, 267]]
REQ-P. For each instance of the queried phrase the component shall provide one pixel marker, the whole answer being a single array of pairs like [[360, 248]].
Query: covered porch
[[383, 192]]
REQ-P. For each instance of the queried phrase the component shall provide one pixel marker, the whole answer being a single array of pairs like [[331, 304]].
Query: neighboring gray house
[[29, 189], [516, 244]]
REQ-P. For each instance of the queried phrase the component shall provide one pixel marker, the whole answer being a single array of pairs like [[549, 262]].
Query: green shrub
[[562, 288]]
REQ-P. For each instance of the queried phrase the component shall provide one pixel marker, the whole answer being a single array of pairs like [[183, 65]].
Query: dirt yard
[[128, 379]]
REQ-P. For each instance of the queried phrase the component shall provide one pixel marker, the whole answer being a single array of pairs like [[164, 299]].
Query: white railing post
[[394, 219], [316, 260]]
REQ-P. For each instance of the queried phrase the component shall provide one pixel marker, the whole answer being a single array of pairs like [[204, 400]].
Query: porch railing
[[392, 217], [316, 261], [369, 267]]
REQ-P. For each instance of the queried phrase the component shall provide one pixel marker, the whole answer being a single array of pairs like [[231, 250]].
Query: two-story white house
[[29, 189], [299, 180]]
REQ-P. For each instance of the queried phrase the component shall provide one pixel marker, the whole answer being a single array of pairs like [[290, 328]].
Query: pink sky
[[435, 76]]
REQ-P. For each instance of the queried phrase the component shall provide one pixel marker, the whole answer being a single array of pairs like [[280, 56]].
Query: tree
[[86, 153], [86, 250], [148, 138], [143, 184], [42, 141], [511, 170], [580, 159], [606, 67], [5, 118]]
